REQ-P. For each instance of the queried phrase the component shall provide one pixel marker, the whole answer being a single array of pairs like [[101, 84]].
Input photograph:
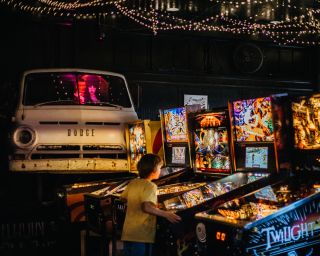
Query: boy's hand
[[172, 217], [150, 208]]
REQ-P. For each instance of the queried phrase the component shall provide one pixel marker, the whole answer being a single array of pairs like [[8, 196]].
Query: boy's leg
[[126, 248], [134, 249], [149, 249]]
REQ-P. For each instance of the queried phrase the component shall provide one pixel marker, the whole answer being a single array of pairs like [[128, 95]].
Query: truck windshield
[[72, 88]]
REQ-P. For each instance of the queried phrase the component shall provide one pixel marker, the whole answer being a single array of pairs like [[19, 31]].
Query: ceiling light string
[[74, 5], [237, 4], [205, 27], [131, 15], [299, 26], [278, 25], [278, 36], [53, 7], [295, 38], [165, 25], [154, 17], [55, 10]]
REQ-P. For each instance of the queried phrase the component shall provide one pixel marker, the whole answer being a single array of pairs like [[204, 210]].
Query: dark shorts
[[137, 249]]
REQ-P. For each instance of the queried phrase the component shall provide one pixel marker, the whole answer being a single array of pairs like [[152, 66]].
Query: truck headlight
[[24, 137]]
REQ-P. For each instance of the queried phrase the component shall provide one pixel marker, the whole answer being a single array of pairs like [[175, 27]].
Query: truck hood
[[33, 116]]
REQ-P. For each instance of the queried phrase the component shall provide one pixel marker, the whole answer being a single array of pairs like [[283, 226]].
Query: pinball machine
[[171, 133], [70, 197], [281, 218], [176, 149], [176, 176], [212, 155], [104, 211], [175, 137], [71, 207], [143, 137]]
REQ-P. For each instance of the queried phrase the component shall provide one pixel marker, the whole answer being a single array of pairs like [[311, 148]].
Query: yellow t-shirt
[[138, 225]]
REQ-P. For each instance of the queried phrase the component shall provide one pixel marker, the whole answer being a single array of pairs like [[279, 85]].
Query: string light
[[297, 24]]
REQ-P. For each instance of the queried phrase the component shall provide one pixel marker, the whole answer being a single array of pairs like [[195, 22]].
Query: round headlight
[[24, 137]]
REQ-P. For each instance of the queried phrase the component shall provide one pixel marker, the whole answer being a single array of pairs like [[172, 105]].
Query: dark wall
[[160, 69]]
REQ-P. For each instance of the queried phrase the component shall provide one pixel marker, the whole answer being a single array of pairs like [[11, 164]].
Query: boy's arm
[[150, 208]]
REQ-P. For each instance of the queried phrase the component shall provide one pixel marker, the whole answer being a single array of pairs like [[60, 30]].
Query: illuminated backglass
[[253, 120], [175, 125]]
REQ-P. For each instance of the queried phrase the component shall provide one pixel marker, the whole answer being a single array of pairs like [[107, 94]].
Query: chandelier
[[284, 22]]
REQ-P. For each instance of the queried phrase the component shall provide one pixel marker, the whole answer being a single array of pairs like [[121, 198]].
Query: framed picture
[[201, 100]]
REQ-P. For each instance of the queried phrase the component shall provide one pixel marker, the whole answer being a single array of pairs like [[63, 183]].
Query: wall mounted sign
[[201, 100]]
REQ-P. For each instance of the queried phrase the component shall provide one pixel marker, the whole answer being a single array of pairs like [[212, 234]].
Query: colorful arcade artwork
[[306, 114], [211, 143], [137, 143], [253, 120], [175, 125]]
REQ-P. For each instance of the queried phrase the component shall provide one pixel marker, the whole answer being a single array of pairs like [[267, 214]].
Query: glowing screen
[[257, 157]]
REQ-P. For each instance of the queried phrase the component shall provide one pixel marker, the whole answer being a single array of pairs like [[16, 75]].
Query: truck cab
[[71, 120]]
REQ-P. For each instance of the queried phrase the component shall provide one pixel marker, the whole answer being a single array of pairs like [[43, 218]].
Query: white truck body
[[59, 128]]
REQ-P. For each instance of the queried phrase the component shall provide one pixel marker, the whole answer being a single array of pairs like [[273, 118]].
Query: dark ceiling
[[281, 21]]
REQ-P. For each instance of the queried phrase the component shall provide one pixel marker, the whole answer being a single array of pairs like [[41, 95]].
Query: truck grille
[[78, 147], [78, 151], [58, 147], [64, 156]]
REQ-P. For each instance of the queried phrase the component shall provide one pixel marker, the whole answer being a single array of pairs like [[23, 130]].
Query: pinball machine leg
[[104, 246], [114, 244]]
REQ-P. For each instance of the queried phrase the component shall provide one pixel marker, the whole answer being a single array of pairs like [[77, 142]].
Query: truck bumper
[[69, 165]]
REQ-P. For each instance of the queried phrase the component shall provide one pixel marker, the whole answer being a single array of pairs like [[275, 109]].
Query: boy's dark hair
[[147, 164]]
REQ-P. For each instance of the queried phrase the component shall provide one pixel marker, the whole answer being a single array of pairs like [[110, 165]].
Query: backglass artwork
[[253, 120], [305, 115], [175, 125], [211, 143], [137, 143]]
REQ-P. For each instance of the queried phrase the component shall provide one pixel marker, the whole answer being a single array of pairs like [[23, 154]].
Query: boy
[[141, 194]]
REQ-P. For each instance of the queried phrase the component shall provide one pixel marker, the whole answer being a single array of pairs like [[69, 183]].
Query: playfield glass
[[175, 125], [253, 120], [193, 197], [265, 201]]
